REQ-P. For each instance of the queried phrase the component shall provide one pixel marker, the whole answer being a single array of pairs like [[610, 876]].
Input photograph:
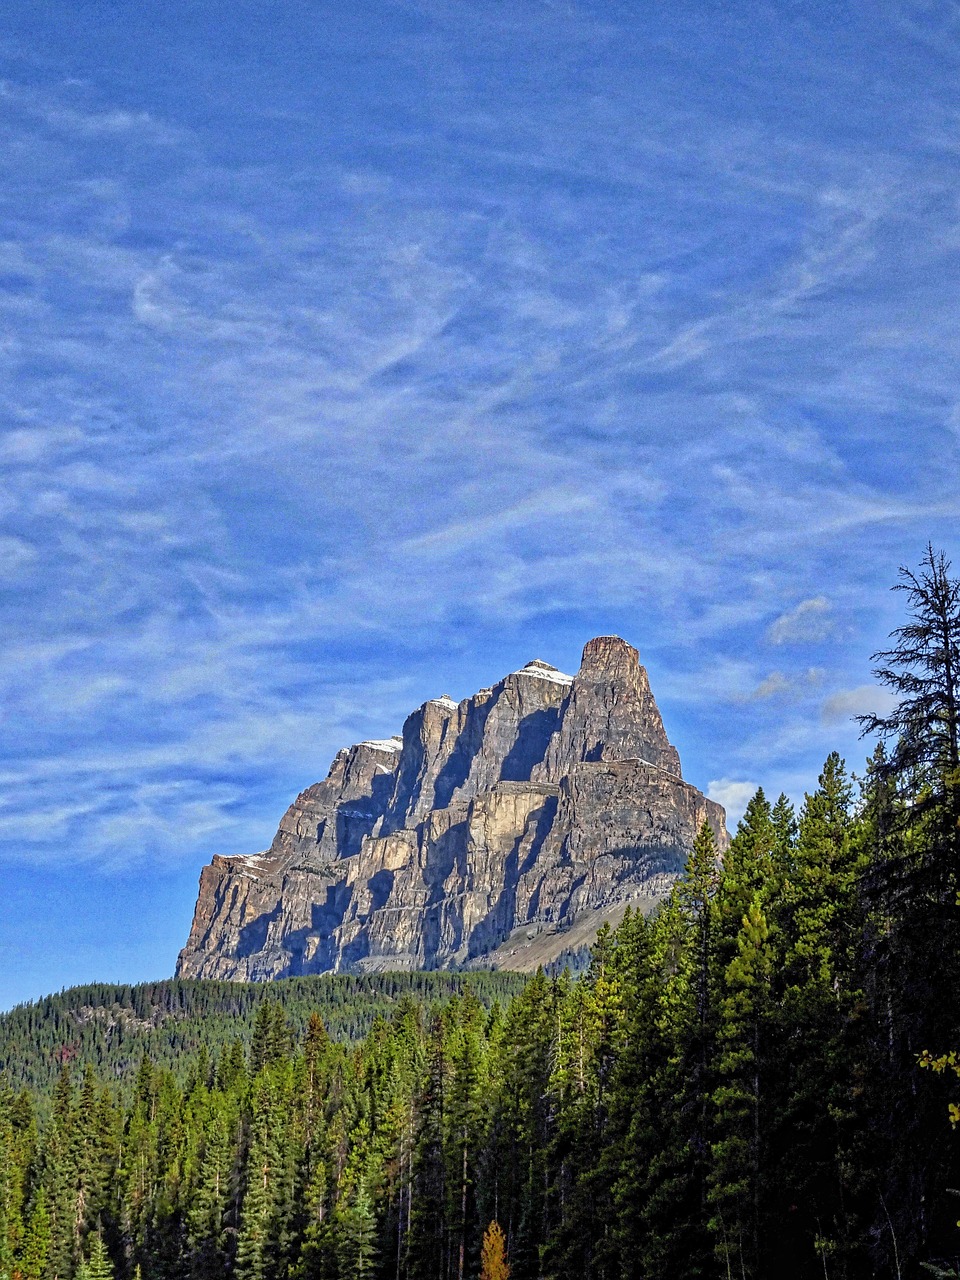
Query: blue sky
[[357, 352]]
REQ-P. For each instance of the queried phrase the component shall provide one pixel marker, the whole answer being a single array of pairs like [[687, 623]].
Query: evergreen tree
[[259, 1239], [660, 1087], [821, 925], [8, 1205], [272, 1038], [63, 1204], [427, 1247], [522, 1122], [356, 1235], [785, 829], [36, 1246], [913, 925], [923, 670], [210, 1202], [464, 1128], [739, 1148], [98, 1265]]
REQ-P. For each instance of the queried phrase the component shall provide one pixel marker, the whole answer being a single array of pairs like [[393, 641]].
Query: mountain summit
[[498, 831]]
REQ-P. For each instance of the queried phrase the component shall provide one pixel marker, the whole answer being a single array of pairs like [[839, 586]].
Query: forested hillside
[[756, 1082], [112, 1027]]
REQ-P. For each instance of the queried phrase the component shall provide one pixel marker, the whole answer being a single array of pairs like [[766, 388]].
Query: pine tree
[[232, 1067], [785, 829], [258, 1238], [9, 1209], [464, 1126], [60, 1179], [356, 1234], [427, 1237], [695, 894], [659, 1090], [739, 1162], [95, 1123], [20, 1159], [317, 1239], [584, 1152], [923, 670], [272, 1037], [913, 923], [750, 866], [812, 1081], [209, 1203], [820, 895], [522, 1122], [36, 1245], [98, 1265]]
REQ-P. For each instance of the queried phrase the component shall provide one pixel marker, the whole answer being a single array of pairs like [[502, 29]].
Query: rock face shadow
[[501, 918], [380, 887], [355, 819], [533, 737], [457, 768], [253, 935]]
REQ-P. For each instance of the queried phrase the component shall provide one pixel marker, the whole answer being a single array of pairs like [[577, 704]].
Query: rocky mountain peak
[[497, 830], [609, 657]]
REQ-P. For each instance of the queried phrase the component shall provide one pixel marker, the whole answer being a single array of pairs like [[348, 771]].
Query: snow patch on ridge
[[384, 744], [249, 863], [544, 671]]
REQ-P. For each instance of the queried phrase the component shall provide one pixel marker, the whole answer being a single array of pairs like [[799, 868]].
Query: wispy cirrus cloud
[[312, 402]]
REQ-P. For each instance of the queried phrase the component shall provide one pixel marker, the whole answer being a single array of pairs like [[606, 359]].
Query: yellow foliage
[[493, 1254], [946, 1061]]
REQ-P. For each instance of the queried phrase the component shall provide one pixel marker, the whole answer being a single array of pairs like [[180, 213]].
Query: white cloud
[[866, 699], [733, 795], [778, 685], [809, 621]]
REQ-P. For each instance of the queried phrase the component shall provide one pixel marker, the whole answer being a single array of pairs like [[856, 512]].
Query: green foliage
[[113, 1027], [97, 1265], [704, 1100], [753, 1082]]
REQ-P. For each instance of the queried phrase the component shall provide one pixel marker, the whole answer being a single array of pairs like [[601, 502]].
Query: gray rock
[[499, 831]]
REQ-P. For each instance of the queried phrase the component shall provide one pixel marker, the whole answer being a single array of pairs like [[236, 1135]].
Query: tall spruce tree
[[923, 671], [209, 1205], [746, 961], [97, 1264], [811, 1133], [913, 926], [35, 1258]]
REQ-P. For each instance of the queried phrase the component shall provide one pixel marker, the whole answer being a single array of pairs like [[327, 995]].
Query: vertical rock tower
[[498, 831]]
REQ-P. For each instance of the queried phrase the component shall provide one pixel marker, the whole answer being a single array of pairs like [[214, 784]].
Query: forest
[[111, 1027], [758, 1081]]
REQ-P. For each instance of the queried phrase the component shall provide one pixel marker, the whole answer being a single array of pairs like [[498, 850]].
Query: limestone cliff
[[501, 830]]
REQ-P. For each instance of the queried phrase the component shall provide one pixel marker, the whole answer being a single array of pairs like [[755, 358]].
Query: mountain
[[498, 832]]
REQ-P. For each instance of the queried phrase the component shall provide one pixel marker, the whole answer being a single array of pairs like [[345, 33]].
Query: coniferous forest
[[757, 1082]]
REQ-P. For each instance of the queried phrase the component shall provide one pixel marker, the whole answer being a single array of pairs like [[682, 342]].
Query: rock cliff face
[[498, 831]]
